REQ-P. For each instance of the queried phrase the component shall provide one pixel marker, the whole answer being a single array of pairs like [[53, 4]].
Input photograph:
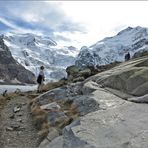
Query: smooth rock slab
[[123, 126], [106, 99], [120, 124], [85, 104]]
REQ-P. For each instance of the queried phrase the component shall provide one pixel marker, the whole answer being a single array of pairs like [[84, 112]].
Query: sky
[[76, 23]]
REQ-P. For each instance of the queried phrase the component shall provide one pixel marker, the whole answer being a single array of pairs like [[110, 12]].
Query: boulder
[[85, 73], [51, 106], [128, 78], [72, 70], [78, 79], [74, 89], [118, 123], [55, 94], [140, 53], [121, 126], [56, 117], [85, 104], [60, 93]]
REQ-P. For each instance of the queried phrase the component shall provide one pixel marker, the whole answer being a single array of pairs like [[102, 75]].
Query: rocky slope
[[32, 51], [114, 48], [107, 115], [10, 70]]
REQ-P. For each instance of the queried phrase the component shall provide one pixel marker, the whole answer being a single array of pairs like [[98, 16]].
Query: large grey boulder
[[124, 126], [119, 124], [85, 104], [55, 94], [72, 70], [130, 77]]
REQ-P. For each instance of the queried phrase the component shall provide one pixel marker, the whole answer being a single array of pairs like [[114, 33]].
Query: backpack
[[39, 79]]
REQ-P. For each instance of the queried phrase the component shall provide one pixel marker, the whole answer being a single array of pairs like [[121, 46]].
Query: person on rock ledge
[[40, 79], [127, 56]]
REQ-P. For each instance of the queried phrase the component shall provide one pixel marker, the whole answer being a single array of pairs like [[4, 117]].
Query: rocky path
[[16, 129]]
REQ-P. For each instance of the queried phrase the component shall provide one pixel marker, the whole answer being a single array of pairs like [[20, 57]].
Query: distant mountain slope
[[114, 48], [10, 70], [32, 51]]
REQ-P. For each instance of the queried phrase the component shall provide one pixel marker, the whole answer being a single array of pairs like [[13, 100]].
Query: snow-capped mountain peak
[[114, 48], [29, 39], [32, 51]]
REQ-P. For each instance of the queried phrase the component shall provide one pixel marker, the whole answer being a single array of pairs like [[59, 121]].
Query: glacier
[[32, 51]]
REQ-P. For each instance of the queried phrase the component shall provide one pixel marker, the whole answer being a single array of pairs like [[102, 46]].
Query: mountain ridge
[[10, 70], [32, 51], [112, 49]]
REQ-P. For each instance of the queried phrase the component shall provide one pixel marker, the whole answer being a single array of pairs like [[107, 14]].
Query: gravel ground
[[16, 129]]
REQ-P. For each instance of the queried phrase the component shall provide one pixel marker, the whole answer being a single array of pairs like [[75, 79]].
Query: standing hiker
[[40, 79], [127, 56]]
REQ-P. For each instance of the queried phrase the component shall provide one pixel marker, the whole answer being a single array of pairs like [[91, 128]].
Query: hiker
[[5, 93], [127, 56], [40, 79]]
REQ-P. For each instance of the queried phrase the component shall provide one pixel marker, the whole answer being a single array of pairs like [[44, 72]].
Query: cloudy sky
[[74, 23]]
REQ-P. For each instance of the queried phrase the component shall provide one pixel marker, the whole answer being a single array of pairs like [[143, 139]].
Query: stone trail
[[16, 128]]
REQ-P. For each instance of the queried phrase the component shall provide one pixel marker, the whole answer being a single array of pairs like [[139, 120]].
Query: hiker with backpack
[[40, 79], [127, 56]]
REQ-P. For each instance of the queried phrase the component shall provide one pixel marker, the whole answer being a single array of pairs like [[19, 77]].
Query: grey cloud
[[60, 37], [48, 15]]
